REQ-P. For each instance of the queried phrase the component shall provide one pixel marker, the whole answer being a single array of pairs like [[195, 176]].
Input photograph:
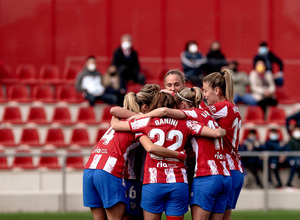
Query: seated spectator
[[292, 120], [125, 58], [215, 59], [113, 84], [241, 81], [251, 143], [192, 61], [262, 86], [294, 145], [269, 58], [89, 82], [273, 143]]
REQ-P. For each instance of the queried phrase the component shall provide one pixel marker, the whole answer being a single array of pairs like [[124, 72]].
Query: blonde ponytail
[[229, 91], [130, 102]]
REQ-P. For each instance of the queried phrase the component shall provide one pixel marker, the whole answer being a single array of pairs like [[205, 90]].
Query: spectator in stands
[[241, 81], [192, 61], [251, 143], [174, 81], [125, 58], [274, 143], [113, 84], [294, 145], [215, 59], [269, 58], [89, 82], [295, 118], [262, 86]]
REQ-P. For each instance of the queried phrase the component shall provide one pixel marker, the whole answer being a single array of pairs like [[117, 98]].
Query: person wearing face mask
[[269, 58], [294, 145], [125, 58], [274, 143], [192, 61], [89, 82], [251, 143], [262, 86]]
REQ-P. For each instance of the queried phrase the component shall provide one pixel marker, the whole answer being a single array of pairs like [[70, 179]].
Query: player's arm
[[163, 112], [119, 112], [118, 125], [160, 151], [213, 133]]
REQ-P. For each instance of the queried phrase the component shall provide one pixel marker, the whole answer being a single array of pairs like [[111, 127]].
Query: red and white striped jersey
[[228, 117], [111, 152], [210, 154], [169, 133]]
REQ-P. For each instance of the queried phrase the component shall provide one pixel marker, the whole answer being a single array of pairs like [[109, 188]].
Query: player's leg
[[98, 213], [227, 214], [199, 214], [151, 216], [116, 212]]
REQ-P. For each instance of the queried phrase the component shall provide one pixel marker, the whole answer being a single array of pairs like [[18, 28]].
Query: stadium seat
[[55, 136], [25, 161], [276, 115], [134, 87], [49, 162], [37, 115], [80, 136], [100, 133], [7, 137], [27, 74], [86, 115], [18, 93], [30, 136], [106, 116], [254, 114], [2, 96], [3, 160], [68, 93], [62, 115], [12, 114], [74, 162], [70, 72], [50, 74], [43, 93], [246, 132], [7, 76]]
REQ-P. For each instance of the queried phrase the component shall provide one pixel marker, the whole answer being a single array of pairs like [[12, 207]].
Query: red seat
[[25, 161], [80, 136], [68, 93], [7, 137], [100, 133], [7, 76], [55, 136], [246, 132], [2, 97], [37, 115], [18, 93], [134, 87], [62, 115], [254, 114], [49, 162], [43, 93], [86, 115], [276, 115], [3, 160], [50, 74], [30, 136], [106, 116], [12, 114], [70, 72], [27, 74], [74, 162]]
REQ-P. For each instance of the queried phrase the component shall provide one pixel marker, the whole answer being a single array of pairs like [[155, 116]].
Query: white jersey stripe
[[153, 175], [110, 164], [221, 113], [95, 161], [170, 175]]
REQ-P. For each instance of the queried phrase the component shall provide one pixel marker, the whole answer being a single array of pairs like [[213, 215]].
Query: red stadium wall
[[65, 32]]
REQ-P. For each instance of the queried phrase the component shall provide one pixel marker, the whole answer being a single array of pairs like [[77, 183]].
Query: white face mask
[[126, 45], [263, 50], [273, 137], [296, 134], [193, 48], [91, 67]]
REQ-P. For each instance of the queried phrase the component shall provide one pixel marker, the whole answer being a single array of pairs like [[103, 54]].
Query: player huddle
[[121, 180]]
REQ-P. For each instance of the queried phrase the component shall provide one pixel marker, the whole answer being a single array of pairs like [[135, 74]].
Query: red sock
[[174, 217]]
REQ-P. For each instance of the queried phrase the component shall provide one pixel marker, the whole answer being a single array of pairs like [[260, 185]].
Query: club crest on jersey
[[140, 123], [190, 113], [212, 108]]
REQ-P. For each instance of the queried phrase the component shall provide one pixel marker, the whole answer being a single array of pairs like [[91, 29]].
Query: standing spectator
[[125, 58], [262, 86], [251, 143], [240, 81], [269, 58], [215, 59], [192, 61], [113, 84], [294, 145], [89, 82]]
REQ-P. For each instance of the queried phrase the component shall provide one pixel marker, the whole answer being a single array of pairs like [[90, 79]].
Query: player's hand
[[182, 155]]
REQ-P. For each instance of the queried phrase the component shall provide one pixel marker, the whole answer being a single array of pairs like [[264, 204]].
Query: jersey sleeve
[[138, 125], [218, 110], [195, 128], [190, 114]]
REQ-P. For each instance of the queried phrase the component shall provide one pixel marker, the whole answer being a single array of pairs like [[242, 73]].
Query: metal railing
[[64, 155]]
